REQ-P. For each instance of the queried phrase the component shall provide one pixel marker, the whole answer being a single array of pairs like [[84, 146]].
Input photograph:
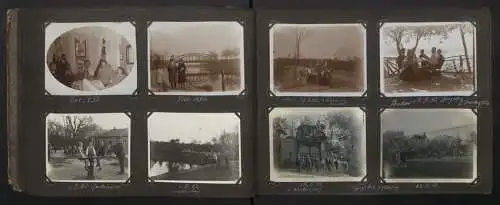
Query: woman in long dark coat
[[182, 73]]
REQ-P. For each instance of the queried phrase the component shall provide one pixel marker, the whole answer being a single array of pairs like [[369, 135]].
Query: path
[[206, 173], [62, 167]]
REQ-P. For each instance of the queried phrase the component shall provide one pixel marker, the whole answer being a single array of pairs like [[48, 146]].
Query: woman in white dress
[[88, 81]]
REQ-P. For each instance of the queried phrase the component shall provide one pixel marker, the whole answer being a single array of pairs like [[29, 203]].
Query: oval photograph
[[90, 58]]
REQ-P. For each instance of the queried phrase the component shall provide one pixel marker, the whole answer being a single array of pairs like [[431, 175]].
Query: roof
[[115, 133]]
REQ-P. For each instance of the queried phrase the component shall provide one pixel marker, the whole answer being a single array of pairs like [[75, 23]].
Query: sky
[[190, 126], [192, 37], [105, 120], [451, 47], [320, 41], [413, 121]]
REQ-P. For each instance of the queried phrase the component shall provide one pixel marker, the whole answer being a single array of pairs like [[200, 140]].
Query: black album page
[[136, 102], [379, 102]]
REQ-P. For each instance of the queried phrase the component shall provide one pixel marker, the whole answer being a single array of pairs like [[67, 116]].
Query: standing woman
[[172, 72], [82, 153], [158, 73], [101, 152], [182, 73]]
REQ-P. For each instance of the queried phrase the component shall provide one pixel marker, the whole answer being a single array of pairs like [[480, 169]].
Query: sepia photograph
[[194, 148], [196, 58], [429, 145], [90, 58], [317, 144], [318, 59], [428, 59], [90, 147]]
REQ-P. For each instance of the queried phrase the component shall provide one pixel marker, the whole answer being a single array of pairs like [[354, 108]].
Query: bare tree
[[75, 124], [397, 35], [404, 33], [466, 28], [300, 35], [280, 129]]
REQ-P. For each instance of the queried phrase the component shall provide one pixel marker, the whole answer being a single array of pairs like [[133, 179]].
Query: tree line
[[196, 153], [421, 146]]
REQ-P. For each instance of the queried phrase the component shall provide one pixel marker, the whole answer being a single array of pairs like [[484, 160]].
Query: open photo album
[[225, 102]]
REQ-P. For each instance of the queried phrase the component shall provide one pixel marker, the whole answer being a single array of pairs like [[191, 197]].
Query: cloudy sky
[[413, 121], [177, 38], [451, 46], [320, 41], [105, 120], [190, 126]]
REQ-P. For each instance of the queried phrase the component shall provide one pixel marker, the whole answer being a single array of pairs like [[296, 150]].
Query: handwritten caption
[[93, 187], [317, 100], [307, 188], [461, 101], [427, 186], [192, 99], [368, 188], [188, 189], [84, 99]]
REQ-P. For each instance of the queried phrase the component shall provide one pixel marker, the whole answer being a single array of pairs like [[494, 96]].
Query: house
[[112, 137], [309, 139]]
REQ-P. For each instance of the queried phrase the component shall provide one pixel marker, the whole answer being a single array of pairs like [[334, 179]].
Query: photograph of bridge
[[194, 148], [318, 59], [90, 58], [317, 144], [429, 145], [88, 147], [196, 58], [430, 59]]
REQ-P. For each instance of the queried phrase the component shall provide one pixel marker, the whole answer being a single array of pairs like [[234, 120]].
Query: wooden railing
[[194, 80], [452, 64]]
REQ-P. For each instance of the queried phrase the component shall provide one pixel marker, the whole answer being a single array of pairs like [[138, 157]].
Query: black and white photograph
[[88, 147], [194, 148], [317, 144], [318, 59], [196, 58], [90, 59], [429, 145], [428, 59]]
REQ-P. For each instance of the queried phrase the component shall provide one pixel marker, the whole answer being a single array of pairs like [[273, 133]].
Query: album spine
[[13, 108]]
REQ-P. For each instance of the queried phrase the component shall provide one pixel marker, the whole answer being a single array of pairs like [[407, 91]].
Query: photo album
[[232, 103]]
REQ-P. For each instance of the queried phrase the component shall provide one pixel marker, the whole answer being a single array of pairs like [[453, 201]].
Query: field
[[432, 168]]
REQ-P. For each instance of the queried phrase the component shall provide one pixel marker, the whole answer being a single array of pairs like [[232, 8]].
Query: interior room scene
[[90, 58]]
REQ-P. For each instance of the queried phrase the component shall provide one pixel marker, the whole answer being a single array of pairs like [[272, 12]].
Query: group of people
[[96, 150], [200, 159], [92, 150], [86, 79], [330, 162], [171, 74], [412, 65]]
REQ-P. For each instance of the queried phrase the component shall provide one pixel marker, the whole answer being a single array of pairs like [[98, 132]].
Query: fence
[[199, 80], [452, 64]]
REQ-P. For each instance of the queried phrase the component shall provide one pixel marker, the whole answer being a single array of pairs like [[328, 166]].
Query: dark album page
[[146, 102], [356, 102]]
